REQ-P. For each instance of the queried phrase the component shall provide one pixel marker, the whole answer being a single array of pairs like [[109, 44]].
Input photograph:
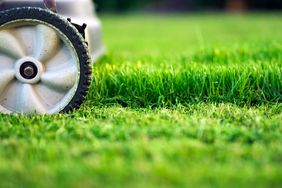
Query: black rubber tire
[[71, 33]]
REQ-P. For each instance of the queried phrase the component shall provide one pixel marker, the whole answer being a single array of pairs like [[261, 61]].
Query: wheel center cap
[[28, 70]]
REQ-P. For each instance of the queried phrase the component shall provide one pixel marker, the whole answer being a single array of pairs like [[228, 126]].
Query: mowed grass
[[178, 101]]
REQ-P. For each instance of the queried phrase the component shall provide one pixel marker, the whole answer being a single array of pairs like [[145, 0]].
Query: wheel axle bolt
[[28, 71]]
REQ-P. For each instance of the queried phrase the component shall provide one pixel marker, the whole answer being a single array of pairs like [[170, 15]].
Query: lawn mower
[[45, 65]]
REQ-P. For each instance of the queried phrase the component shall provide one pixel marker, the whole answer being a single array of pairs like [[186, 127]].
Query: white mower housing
[[79, 11]]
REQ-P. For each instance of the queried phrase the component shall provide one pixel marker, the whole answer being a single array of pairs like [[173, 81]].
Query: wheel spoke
[[28, 101], [50, 96], [10, 46], [6, 62], [62, 57], [62, 79], [5, 78], [26, 37], [47, 42], [8, 98]]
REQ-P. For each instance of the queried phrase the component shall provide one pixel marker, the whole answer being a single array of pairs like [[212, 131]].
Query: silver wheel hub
[[28, 70], [39, 68]]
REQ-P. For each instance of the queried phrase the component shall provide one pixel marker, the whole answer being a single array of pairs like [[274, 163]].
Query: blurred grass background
[[187, 5]]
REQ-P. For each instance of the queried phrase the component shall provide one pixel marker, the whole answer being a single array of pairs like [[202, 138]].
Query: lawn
[[178, 101]]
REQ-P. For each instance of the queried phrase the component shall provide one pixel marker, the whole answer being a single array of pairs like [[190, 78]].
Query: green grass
[[178, 101]]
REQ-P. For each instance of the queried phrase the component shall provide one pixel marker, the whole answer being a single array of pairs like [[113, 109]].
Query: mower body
[[79, 11]]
